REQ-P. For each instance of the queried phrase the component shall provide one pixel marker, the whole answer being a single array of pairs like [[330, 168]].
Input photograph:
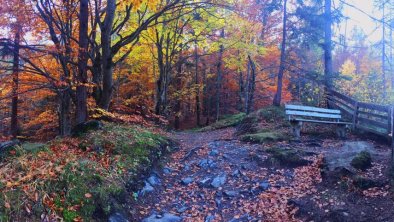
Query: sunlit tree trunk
[[278, 95], [107, 56], [219, 77]]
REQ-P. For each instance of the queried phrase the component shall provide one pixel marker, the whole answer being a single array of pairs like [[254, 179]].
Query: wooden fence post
[[391, 131], [355, 114]]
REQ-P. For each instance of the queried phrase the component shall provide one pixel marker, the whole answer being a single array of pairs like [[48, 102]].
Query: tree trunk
[[251, 85], [107, 62], [15, 85], [64, 113], [178, 86], [219, 77], [328, 45], [81, 105], [198, 108], [278, 95], [241, 90]]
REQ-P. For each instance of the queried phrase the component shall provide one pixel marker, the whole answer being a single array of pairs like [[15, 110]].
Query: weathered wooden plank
[[341, 96], [313, 114], [374, 107], [320, 121], [380, 116], [372, 122], [341, 104], [311, 108], [368, 129]]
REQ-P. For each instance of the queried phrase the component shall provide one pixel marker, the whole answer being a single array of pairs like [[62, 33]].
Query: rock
[[204, 182], [265, 185], [182, 209], [236, 173], [219, 181], [263, 137], [231, 193], [288, 157], [218, 202], [214, 152], [366, 183], [117, 217], [187, 181], [85, 127], [346, 154], [362, 161], [206, 163], [226, 156], [147, 189], [209, 218], [167, 217], [154, 180], [186, 167], [167, 170]]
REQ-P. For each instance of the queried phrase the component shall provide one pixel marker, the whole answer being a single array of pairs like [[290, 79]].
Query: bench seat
[[298, 114]]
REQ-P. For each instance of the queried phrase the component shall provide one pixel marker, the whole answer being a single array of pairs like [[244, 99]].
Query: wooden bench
[[298, 114]]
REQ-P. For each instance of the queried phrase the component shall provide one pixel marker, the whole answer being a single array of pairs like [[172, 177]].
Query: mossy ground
[[77, 178], [225, 121], [263, 137]]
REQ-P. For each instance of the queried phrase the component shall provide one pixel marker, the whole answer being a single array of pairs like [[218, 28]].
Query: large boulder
[[338, 163], [288, 157]]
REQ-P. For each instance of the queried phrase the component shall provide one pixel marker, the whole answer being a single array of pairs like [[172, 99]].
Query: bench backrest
[[310, 111]]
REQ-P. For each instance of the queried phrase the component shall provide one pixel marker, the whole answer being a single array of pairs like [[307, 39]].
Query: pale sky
[[356, 18]]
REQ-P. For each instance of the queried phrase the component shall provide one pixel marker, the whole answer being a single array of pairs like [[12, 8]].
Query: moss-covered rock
[[288, 157], [263, 137], [226, 121], [366, 183], [256, 121], [362, 161]]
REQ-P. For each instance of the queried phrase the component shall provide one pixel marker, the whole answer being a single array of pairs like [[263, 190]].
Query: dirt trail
[[215, 177]]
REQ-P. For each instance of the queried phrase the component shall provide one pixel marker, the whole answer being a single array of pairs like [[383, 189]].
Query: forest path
[[215, 177]]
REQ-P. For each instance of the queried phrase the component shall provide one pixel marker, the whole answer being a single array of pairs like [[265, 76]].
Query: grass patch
[[83, 178], [226, 121], [263, 137]]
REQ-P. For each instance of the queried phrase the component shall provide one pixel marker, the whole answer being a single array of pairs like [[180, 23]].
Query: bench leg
[[341, 131], [296, 127]]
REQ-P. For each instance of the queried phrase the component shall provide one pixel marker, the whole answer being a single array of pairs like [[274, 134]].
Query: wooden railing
[[369, 117]]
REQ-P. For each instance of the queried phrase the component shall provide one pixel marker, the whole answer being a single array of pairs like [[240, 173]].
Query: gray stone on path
[[214, 152], [231, 193], [343, 157], [264, 185], [154, 180], [204, 182], [167, 170], [147, 189], [117, 217], [219, 181], [187, 181], [167, 217]]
